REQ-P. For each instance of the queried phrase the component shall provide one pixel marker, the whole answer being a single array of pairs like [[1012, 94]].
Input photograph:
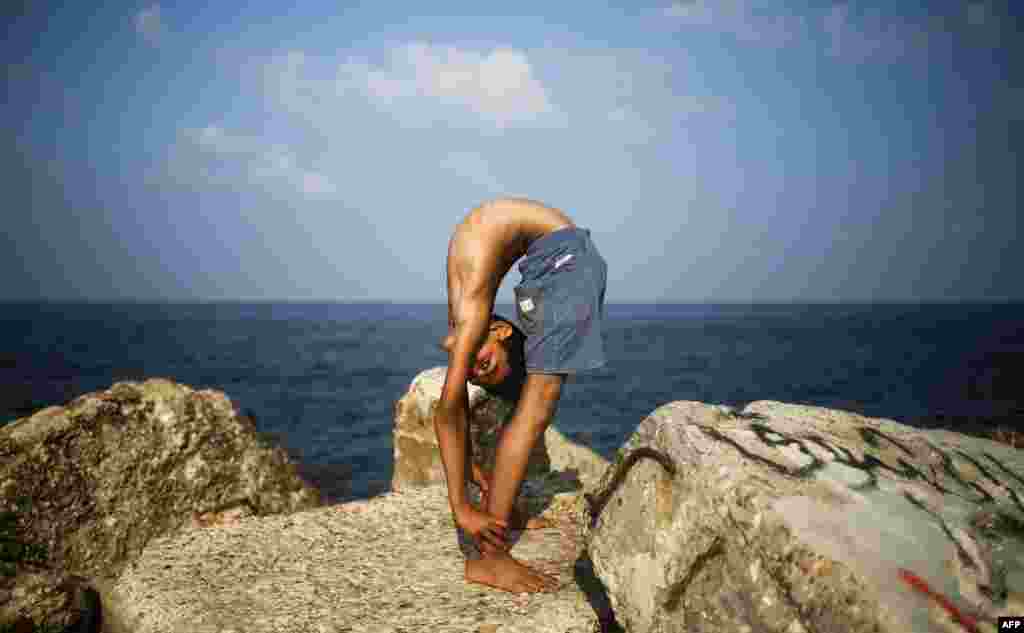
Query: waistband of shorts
[[539, 259], [557, 239]]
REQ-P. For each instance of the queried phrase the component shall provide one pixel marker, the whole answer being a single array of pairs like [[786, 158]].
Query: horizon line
[[378, 301]]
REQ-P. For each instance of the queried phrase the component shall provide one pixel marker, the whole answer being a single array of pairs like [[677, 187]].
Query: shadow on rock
[[596, 594]]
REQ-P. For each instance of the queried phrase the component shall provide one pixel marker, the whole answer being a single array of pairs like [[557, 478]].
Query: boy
[[560, 303]]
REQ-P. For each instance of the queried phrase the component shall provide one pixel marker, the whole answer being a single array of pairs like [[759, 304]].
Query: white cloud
[[869, 36], [626, 97], [317, 184], [851, 33], [696, 12], [149, 24], [421, 86], [213, 156], [739, 18], [498, 86], [846, 38], [283, 76], [441, 116]]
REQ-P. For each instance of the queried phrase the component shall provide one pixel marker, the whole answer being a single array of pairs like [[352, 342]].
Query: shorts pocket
[[530, 309]]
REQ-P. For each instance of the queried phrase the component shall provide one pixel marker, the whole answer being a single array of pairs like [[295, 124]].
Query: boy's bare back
[[488, 241]]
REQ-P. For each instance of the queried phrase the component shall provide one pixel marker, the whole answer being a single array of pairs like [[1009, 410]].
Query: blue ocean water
[[323, 378]]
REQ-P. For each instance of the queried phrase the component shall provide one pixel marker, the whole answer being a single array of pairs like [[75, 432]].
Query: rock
[[391, 563], [558, 470], [334, 481], [91, 483], [795, 518], [43, 599]]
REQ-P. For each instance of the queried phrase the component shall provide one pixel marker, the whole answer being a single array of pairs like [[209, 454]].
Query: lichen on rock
[[93, 482], [785, 517]]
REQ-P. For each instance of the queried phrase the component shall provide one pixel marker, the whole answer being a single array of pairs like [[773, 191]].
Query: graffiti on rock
[[938, 469]]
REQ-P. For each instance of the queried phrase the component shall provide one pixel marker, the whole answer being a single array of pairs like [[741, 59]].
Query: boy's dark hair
[[510, 388]]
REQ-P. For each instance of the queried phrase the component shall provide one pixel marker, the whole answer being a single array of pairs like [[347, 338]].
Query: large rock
[[40, 599], [88, 485], [386, 565], [794, 518], [558, 465]]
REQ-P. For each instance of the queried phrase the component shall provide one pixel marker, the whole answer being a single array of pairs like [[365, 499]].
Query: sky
[[719, 151]]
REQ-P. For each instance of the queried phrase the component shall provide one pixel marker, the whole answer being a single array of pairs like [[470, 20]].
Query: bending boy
[[559, 304]]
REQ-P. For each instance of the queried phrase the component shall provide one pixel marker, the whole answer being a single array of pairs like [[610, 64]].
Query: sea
[[322, 378]]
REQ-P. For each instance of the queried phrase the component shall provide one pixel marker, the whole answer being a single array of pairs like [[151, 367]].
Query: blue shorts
[[560, 303]]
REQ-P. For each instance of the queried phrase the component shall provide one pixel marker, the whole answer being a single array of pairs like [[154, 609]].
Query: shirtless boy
[[559, 304]]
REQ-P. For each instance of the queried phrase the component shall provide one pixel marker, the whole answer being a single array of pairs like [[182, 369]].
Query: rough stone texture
[[795, 518], [91, 483], [390, 564], [39, 599], [557, 473]]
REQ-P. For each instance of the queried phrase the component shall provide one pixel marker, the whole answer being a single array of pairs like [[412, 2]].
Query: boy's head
[[499, 366]]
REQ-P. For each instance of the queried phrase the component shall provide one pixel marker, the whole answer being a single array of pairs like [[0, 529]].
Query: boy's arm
[[452, 416]]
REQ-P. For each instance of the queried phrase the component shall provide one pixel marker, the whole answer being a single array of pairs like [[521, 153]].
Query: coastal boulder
[[86, 486], [557, 465], [40, 599], [794, 518]]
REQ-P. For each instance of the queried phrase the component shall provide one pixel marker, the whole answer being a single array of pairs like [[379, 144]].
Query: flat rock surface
[[392, 563]]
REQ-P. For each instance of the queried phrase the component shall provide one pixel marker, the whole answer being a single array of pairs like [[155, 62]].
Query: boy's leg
[[536, 407], [519, 520]]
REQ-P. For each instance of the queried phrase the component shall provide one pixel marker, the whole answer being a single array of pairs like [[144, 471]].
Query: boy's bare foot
[[501, 571]]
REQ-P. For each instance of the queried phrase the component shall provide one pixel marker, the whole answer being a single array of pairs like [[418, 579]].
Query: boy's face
[[491, 365]]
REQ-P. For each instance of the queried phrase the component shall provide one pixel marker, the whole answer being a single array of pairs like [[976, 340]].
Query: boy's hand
[[482, 526]]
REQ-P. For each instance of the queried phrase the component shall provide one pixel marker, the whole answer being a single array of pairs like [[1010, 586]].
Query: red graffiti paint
[[918, 584]]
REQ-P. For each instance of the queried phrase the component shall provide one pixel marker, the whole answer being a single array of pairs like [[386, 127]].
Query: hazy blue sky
[[718, 150]]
